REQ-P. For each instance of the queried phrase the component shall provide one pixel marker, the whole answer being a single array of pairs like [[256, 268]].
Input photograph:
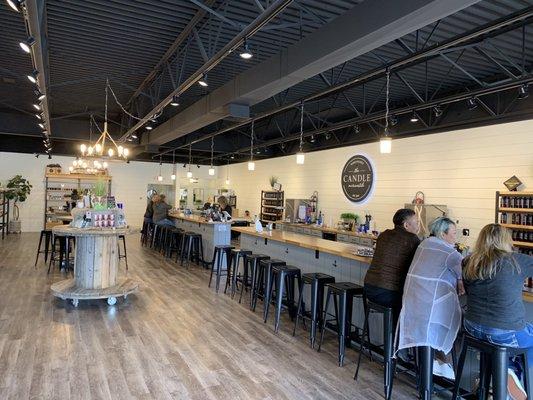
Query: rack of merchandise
[[514, 210], [272, 205], [58, 188], [4, 213]]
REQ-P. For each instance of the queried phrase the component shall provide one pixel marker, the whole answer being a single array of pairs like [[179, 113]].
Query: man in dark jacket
[[394, 252]]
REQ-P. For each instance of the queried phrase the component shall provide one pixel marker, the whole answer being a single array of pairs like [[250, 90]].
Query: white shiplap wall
[[129, 183], [461, 169]]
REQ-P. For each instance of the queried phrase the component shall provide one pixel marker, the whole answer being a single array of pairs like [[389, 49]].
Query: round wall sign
[[357, 178]]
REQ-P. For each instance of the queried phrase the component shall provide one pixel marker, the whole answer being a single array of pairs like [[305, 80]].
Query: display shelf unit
[[272, 205], [514, 210], [57, 192], [4, 213]]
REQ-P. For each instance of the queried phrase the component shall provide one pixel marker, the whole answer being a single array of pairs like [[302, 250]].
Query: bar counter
[[213, 233]]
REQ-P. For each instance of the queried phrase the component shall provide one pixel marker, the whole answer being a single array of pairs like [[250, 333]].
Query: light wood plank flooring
[[174, 339]]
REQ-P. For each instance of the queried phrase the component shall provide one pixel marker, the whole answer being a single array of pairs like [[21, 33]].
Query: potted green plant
[[100, 192], [273, 180], [350, 219], [19, 189]]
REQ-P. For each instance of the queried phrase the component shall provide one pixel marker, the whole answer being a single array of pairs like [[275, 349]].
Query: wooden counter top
[[193, 218], [328, 230], [310, 242], [65, 230]]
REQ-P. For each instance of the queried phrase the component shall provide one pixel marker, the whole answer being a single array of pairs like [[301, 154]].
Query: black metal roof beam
[[492, 29]]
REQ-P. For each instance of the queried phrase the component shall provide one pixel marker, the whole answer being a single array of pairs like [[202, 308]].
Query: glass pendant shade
[[251, 166], [385, 145], [300, 158]]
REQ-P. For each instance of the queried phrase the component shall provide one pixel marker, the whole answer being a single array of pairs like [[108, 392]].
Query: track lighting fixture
[[203, 81], [393, 120], [327, 135], [38, 116], [356, 128], [37, 107], [149, 127], [134, 136], [41, 125], [175, 101], [438, 111], [26, 44], [523, 91], [312, 139], [472, 103], [33, 76], [16, 5], [41, 96], [246, 53], [197, 165], [414, 117]]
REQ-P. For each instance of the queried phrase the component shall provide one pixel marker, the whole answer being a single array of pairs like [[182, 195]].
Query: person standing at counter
[[431, 313], [161, 209], [493, 277], [394, 252], [224, 206], [149, 212]]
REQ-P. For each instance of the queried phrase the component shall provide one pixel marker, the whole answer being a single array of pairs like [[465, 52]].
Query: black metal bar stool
[[493, 363], [343, 294], [46, 234], [145, 230], [216, 266], [426, 355], [60, 252], [175, 243], [156, 236], [317, 281], [388, 343], [285, 276], [262, 283], [252, 263], [236, 256], [125, 254], [192, 249]]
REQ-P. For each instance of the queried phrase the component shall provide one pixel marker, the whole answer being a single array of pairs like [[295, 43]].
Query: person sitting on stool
[[431, 313], [394, 252], [161, 209], [493, 277], [149, 212]]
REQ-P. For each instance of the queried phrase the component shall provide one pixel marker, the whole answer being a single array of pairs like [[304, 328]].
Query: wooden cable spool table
[[95, 266]]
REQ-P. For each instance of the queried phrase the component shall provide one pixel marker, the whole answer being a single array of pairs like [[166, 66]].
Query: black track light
[[49, 156], [414, 117], [134, 135], [523, 91], [33, 76], [471, 103], [26, 44], [184, 165], [16, 5], [175, 101], [356, 128], [232, 157], [197, 165], [327, 135], [393, 119], [438, 111], [246, 53], [312, 139], [149, 127], [203, 81]]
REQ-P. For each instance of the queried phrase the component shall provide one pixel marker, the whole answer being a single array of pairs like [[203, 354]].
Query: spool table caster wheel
[[75, 302], [111, 301]]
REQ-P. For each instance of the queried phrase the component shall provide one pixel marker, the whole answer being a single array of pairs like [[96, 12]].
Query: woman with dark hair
[[494, 276]]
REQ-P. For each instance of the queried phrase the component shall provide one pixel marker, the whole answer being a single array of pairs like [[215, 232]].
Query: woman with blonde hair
[[493, 277]]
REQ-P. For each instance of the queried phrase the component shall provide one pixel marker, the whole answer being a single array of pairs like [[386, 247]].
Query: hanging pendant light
[[385, 143], [251, 164], [227, 174], [211, 169], [189, 173], [300, 156], [160, 176], [173, 176]]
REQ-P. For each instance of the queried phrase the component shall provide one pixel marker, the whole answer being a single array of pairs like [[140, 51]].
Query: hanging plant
[[19, 189]]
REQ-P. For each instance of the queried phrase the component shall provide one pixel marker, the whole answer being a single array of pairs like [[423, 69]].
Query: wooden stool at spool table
[[95, 266]]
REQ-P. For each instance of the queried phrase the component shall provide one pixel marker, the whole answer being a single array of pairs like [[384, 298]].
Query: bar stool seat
[[252, 264], [342, 293], [388, 343], [216, 266], [284, 276], [46, 234], [317, 281], [236, 256], [261, 282], [493, 363], [192, 249]]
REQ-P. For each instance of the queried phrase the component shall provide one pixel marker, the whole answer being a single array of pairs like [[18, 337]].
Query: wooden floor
[[174, 339]]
